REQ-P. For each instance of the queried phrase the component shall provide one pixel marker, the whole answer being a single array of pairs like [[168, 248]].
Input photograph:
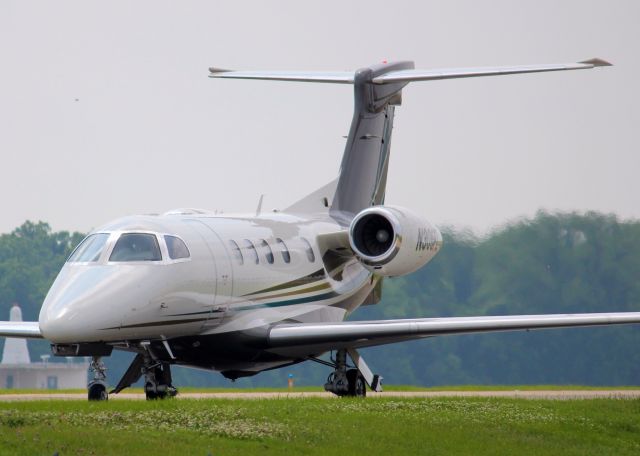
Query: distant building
[[17, 370]]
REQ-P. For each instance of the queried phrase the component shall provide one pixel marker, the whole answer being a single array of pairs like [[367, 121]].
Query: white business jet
[[247, 293]]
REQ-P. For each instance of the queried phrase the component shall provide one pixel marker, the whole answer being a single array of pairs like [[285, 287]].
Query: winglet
[[596, 62], [214, 70]]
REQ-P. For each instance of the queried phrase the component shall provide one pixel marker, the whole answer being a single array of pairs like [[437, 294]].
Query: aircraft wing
[[20, 329], [301, 338]]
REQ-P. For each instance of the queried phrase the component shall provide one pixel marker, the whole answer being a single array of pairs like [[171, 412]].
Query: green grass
[[310, 426]]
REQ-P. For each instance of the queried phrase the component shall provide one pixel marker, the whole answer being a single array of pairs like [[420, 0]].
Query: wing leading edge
[[20, 329], [357, 334]]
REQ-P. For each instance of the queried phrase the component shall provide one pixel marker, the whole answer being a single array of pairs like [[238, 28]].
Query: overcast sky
[[106, 108]]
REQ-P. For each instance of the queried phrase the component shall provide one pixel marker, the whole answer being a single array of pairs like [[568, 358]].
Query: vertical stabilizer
[[363, 173]]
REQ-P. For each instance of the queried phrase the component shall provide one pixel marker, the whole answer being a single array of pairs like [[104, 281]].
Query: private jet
[[241, 294]]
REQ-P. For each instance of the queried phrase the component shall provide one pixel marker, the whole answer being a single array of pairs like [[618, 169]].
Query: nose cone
[[66, 313], [84, 304]]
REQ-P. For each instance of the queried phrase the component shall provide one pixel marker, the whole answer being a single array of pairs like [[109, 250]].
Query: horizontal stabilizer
[[377, 92], [341, 77], [20, 329], [409, 75], [433, 75]]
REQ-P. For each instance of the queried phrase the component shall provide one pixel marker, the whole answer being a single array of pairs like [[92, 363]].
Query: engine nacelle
[[392, 241]]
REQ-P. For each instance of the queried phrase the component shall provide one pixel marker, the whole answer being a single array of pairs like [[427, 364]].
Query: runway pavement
[[519, 394]]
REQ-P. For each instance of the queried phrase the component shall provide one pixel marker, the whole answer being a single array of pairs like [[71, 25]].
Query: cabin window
[[266, 250], [237, 253], [136, 247], [89, 250], [176, 247], [309, 250], [286, 256], [252, 254]]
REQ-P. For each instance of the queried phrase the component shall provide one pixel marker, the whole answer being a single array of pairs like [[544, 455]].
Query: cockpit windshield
[[90, 249], [136, 247]]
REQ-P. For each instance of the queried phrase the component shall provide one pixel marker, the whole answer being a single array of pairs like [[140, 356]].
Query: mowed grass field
[[373, 426]]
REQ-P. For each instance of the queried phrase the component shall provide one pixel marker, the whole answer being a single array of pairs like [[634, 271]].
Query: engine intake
[[373, 235], [392, 241]]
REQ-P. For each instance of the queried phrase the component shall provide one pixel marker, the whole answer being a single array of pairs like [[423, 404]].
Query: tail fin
[[365, 163]]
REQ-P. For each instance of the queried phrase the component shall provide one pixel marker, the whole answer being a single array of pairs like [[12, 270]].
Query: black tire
[[97, 392], [357, 385], [150, 393], [163, 394]]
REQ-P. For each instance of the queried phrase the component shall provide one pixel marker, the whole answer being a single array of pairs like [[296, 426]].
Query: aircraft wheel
[[150, 392], [159, 392], [357, 386], [161, 395], [97, 392]]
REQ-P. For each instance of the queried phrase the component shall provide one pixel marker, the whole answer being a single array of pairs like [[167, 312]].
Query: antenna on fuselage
[[259, 208]]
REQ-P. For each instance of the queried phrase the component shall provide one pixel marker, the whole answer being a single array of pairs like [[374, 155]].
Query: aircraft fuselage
[[213, 308]]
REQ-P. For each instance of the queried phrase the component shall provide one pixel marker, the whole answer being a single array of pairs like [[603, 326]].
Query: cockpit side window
[[136, 247], [89, 250], [176, 247]]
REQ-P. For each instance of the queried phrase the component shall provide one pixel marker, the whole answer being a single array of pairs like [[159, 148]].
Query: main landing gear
[[157, 381], [351, 382], [157, 377], [97, 388]]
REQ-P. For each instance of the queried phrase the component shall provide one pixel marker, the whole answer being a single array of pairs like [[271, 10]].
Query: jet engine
[[392, 241]]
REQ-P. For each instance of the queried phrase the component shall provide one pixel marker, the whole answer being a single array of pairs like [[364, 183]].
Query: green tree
[[30, 258]]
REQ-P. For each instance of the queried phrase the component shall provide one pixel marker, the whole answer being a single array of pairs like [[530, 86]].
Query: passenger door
[[223, 274]]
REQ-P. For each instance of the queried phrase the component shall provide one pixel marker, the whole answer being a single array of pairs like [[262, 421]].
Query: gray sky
[[150, 132]]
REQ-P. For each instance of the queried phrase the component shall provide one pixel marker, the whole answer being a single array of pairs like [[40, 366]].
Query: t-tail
[[378, 90]]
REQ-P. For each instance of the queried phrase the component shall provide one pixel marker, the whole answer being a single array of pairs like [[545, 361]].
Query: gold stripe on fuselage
[[320, 286]]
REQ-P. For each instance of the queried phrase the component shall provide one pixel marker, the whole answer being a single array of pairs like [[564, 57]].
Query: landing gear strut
[[347, 382], [97, 388]]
